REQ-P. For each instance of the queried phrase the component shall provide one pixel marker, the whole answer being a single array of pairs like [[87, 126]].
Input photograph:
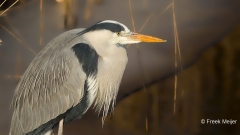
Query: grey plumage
[[50, 87], [78, 68]]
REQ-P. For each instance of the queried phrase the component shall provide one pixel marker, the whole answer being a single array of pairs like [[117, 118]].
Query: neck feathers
[[109, 78]]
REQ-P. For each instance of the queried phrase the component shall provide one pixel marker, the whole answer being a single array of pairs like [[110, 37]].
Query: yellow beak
[[145, 38]]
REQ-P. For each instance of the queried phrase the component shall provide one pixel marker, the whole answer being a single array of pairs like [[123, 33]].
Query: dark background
[[207, 86]]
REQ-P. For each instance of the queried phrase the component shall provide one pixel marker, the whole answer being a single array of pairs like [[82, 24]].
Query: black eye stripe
[[113, 27], [108, 26]]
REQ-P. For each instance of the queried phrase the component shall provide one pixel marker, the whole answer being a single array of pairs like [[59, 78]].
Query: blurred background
[[167, 88]]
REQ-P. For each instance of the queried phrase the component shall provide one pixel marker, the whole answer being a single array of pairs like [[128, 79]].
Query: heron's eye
[[118, 33]]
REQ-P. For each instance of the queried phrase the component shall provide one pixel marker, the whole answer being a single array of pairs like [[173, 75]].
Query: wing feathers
[[46, 91]]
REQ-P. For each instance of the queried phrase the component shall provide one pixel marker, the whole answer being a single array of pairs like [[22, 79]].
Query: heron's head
[[116, 33]]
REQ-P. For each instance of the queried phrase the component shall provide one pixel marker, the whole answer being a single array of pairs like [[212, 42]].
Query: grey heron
[[77, 69]]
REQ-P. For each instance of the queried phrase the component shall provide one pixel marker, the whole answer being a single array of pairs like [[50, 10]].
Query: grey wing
[[53, 83]]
